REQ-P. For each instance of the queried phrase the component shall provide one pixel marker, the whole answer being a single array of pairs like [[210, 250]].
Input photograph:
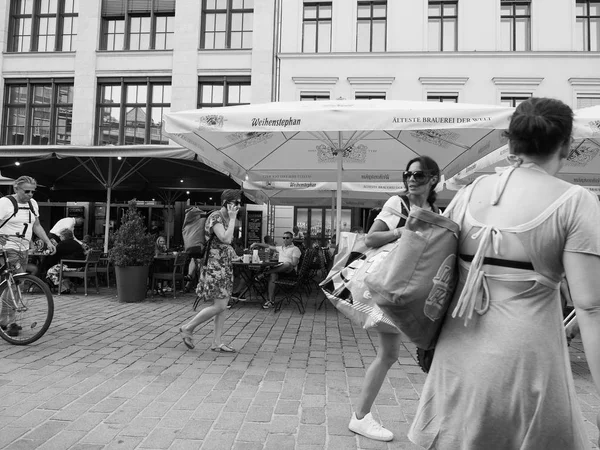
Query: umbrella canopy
[[581, 167], [337, 141]]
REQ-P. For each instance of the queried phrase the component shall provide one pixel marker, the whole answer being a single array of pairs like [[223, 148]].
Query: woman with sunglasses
[[420, 179], [218, 283], [501, 378]]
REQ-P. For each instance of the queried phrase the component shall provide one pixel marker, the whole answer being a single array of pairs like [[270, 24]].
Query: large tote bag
[[345, 287], [415, 286]]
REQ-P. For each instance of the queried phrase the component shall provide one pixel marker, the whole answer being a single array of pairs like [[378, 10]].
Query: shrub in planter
[[131, 254]]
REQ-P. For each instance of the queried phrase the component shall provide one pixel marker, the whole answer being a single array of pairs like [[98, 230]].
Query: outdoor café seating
[[290, 288], [87, 270], [177, 274]]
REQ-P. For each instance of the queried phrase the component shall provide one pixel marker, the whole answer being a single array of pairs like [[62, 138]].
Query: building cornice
[[315, 80], [371, 80], [517, 81], [224, 72], [133, 72], [584, 81], [446, 81], [443, 55]]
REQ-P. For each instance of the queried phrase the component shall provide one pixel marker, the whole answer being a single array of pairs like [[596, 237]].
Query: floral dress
[[216, 280]]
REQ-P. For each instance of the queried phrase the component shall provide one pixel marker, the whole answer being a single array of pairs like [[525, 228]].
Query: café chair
[[177, 274], [88, 269], [106, 267], [291, 287]]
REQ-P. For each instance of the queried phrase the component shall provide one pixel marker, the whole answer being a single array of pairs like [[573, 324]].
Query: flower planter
[[132, 283]]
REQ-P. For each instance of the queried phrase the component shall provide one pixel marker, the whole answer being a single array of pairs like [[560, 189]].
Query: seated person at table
[[68, 223], [160, 248], [289, 255], [67, 248]]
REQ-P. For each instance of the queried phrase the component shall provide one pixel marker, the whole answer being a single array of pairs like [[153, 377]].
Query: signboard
[[253, 227]]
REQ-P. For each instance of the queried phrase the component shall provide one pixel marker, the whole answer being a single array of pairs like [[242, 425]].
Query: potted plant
[[131, 254]]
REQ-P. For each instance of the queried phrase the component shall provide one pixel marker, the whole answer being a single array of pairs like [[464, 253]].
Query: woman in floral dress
[[218, 279]]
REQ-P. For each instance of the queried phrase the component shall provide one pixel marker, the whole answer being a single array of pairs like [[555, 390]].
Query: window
[[227, 24], [369, 96], [42, 25], [588, 100], [515, 25], [313, 96], [316, 28], [137, 24], [587, 25], [442, 98], [371, 26], [130, 111], [316, 223], [513, 100], [38, 112], [443, 26], [223, 91]]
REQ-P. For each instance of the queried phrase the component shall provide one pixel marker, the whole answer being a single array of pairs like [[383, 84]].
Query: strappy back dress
[[501, 377]]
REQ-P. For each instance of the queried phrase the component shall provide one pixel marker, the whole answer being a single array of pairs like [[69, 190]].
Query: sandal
[[223, 349], [187, 338]]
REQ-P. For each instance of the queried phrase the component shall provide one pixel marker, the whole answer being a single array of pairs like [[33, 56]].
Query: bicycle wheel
[[32, 310]]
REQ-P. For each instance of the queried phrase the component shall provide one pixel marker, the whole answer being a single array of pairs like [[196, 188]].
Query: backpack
[[16, 207], [194, 239]]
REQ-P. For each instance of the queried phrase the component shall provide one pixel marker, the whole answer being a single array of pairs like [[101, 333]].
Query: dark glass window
[[130, 111], [314, 97], [369, 96], [42, 25], [38, 112], [227, 24], [223, 91], [585, 101], [316, 27], [137, 24], [442, 98], [443, 25], [587, 25], [513, 100], [371, 26], [515, 25]]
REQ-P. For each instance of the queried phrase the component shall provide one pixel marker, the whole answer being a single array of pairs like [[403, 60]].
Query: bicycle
[[26, 300]]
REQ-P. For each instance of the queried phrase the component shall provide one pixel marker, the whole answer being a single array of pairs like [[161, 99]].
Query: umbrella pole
[[332, 213], [339, 199], [108, 194]]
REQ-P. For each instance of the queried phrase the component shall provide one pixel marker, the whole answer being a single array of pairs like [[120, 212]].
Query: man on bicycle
[[19, 224]]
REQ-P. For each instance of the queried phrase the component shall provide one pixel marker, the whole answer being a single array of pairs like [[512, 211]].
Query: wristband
[[397, 232]]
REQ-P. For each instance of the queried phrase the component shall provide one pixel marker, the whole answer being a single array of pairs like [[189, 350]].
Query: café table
[[249, 273]]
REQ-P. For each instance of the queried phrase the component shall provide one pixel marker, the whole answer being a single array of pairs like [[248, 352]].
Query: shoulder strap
[[13, 200], [31, 207]]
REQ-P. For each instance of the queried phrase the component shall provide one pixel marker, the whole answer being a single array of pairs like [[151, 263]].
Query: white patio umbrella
[[337, 141], [582, 166]]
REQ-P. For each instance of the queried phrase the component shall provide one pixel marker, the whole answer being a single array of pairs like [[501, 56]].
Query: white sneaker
[[370, 428]]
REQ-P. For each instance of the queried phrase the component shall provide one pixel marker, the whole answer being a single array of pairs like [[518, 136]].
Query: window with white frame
[[223, 91], [314, 96], [443, 98], [316, 27], [42, 25], [371, 26], [130, 110], [227, 24], [587, 100], [369, 96], [515, 25], [587, 25], [137, 25], [443, 25], [38, 112], [513, 100]]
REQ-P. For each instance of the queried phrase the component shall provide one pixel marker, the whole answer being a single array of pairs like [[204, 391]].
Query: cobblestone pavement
[[112, 375]]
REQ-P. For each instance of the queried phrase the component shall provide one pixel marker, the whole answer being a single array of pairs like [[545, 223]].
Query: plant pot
[[132, 283]]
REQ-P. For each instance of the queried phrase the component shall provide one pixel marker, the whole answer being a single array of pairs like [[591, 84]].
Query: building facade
[[97, 72]]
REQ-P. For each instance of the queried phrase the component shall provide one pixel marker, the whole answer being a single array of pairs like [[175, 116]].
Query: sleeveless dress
[[502, 380]]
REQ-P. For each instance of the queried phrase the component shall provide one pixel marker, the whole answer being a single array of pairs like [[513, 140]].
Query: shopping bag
[[344, 285], [415, 286]]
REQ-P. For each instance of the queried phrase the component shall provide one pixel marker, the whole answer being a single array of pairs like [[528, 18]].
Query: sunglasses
[[29, 191], [236, 202], [420, 176], [286, 238]]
